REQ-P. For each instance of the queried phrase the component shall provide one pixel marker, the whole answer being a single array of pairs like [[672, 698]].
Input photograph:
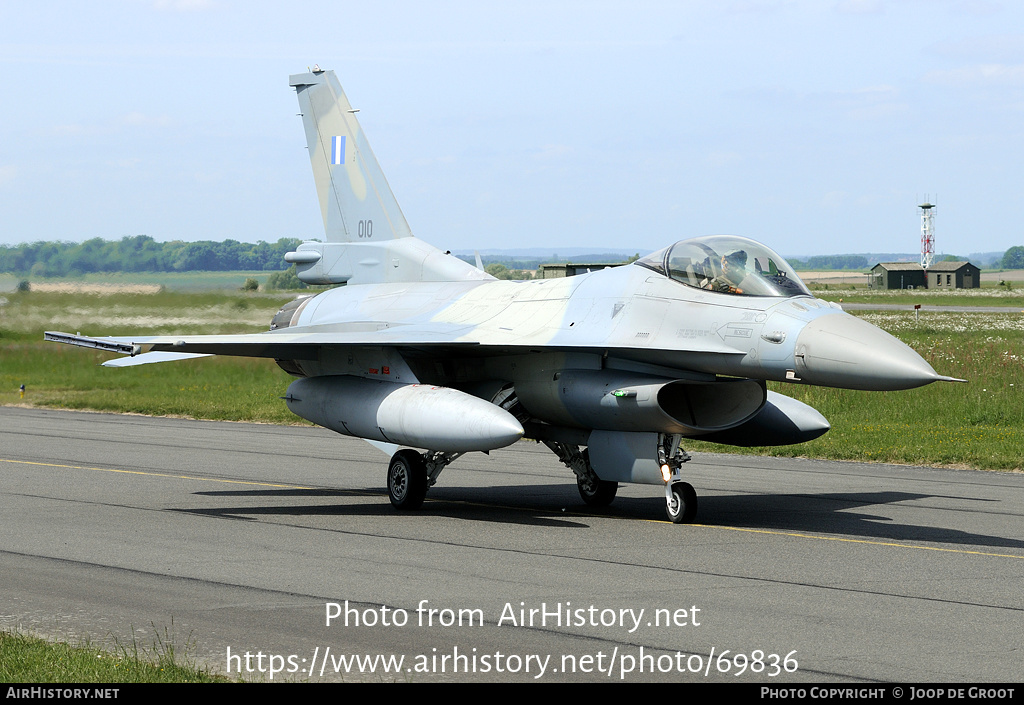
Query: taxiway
[[230, 536]]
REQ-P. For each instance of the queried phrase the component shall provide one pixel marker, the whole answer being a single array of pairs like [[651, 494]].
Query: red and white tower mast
[[927, 234]]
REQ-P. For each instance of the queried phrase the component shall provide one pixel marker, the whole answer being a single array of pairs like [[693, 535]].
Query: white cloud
[[835, 199], [991, 47], [552, 152], [182, 5], [871, 102], [722, 159], [860, 7], [984, 74], [137, 119], [978, 7]]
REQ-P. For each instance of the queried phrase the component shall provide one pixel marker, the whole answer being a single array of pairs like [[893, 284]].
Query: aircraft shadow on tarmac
[[506, 505], [849, 514]]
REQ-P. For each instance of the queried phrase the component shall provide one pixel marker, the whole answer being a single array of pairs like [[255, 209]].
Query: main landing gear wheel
[[682, 507], [407, 480], [595, 491]]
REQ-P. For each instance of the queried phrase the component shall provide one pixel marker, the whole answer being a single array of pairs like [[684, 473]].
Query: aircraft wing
[[304, 343], [286, 344]]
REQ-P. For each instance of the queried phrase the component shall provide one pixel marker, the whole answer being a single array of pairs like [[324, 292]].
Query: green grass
[[69, 377], [232, 389], [27, 315], [177, 281], [29, 659], [986, 296], [979, 425]]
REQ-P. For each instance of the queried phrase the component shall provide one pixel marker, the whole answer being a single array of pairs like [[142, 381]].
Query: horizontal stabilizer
[[150, 358], [106, 344]]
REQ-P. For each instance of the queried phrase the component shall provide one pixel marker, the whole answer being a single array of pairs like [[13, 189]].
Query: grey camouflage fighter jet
[[611, 370]]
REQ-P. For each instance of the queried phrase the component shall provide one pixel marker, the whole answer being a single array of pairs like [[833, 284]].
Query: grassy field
[[976, 425], [176, 281], [980, 424], [988, 296], [28, 659], [68, 377]]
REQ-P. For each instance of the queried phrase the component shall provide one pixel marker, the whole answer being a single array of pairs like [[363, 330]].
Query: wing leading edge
[[293, 344]]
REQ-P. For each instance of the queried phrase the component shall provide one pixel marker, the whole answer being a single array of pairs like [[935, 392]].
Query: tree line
[[141, 253], [1013, 258], [830, 262]]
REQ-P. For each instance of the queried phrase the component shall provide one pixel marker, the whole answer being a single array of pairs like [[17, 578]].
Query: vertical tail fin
[[355, 200], [368, 239]]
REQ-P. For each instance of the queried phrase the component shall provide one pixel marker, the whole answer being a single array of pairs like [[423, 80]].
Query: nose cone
[[840, 350]]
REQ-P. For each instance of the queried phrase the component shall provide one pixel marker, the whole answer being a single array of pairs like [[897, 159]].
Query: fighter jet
[[612, 370]]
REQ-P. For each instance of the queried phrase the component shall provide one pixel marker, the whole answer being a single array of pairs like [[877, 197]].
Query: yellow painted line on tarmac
[[157, 474], [769, 532], [863, 541], [584, 513]]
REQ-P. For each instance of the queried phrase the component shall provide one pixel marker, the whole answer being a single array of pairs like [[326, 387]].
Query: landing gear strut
[[594, 491], [680, 497], [411, 474]]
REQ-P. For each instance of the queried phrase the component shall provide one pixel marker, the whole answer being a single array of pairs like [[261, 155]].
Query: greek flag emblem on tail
[[338, 149]]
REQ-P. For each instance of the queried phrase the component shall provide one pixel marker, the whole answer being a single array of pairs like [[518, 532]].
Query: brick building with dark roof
[[911, 275]]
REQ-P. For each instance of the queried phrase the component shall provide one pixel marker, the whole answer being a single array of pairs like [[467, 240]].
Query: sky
[[814, 126]]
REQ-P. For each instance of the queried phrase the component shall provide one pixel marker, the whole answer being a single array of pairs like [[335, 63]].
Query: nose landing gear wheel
[[407, 480], [681, 507]]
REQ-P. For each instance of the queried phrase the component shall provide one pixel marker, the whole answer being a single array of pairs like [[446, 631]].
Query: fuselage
[[635, 314]]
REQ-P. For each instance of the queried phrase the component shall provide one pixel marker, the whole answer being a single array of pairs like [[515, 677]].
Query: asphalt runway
[[231, 539]]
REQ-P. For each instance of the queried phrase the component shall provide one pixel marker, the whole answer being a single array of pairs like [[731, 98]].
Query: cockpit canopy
[[728, 264]]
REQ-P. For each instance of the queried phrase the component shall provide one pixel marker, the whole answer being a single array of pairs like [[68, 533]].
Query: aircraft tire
[[407, 480], [683, 508], [600, 494]]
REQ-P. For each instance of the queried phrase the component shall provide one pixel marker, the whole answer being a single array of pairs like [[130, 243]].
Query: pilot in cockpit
[[734, 269]]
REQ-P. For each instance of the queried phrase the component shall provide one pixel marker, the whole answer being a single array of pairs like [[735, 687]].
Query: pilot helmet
[[737, 258]]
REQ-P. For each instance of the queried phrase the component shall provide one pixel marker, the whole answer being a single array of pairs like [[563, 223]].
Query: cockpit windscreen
[[727, 264]]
